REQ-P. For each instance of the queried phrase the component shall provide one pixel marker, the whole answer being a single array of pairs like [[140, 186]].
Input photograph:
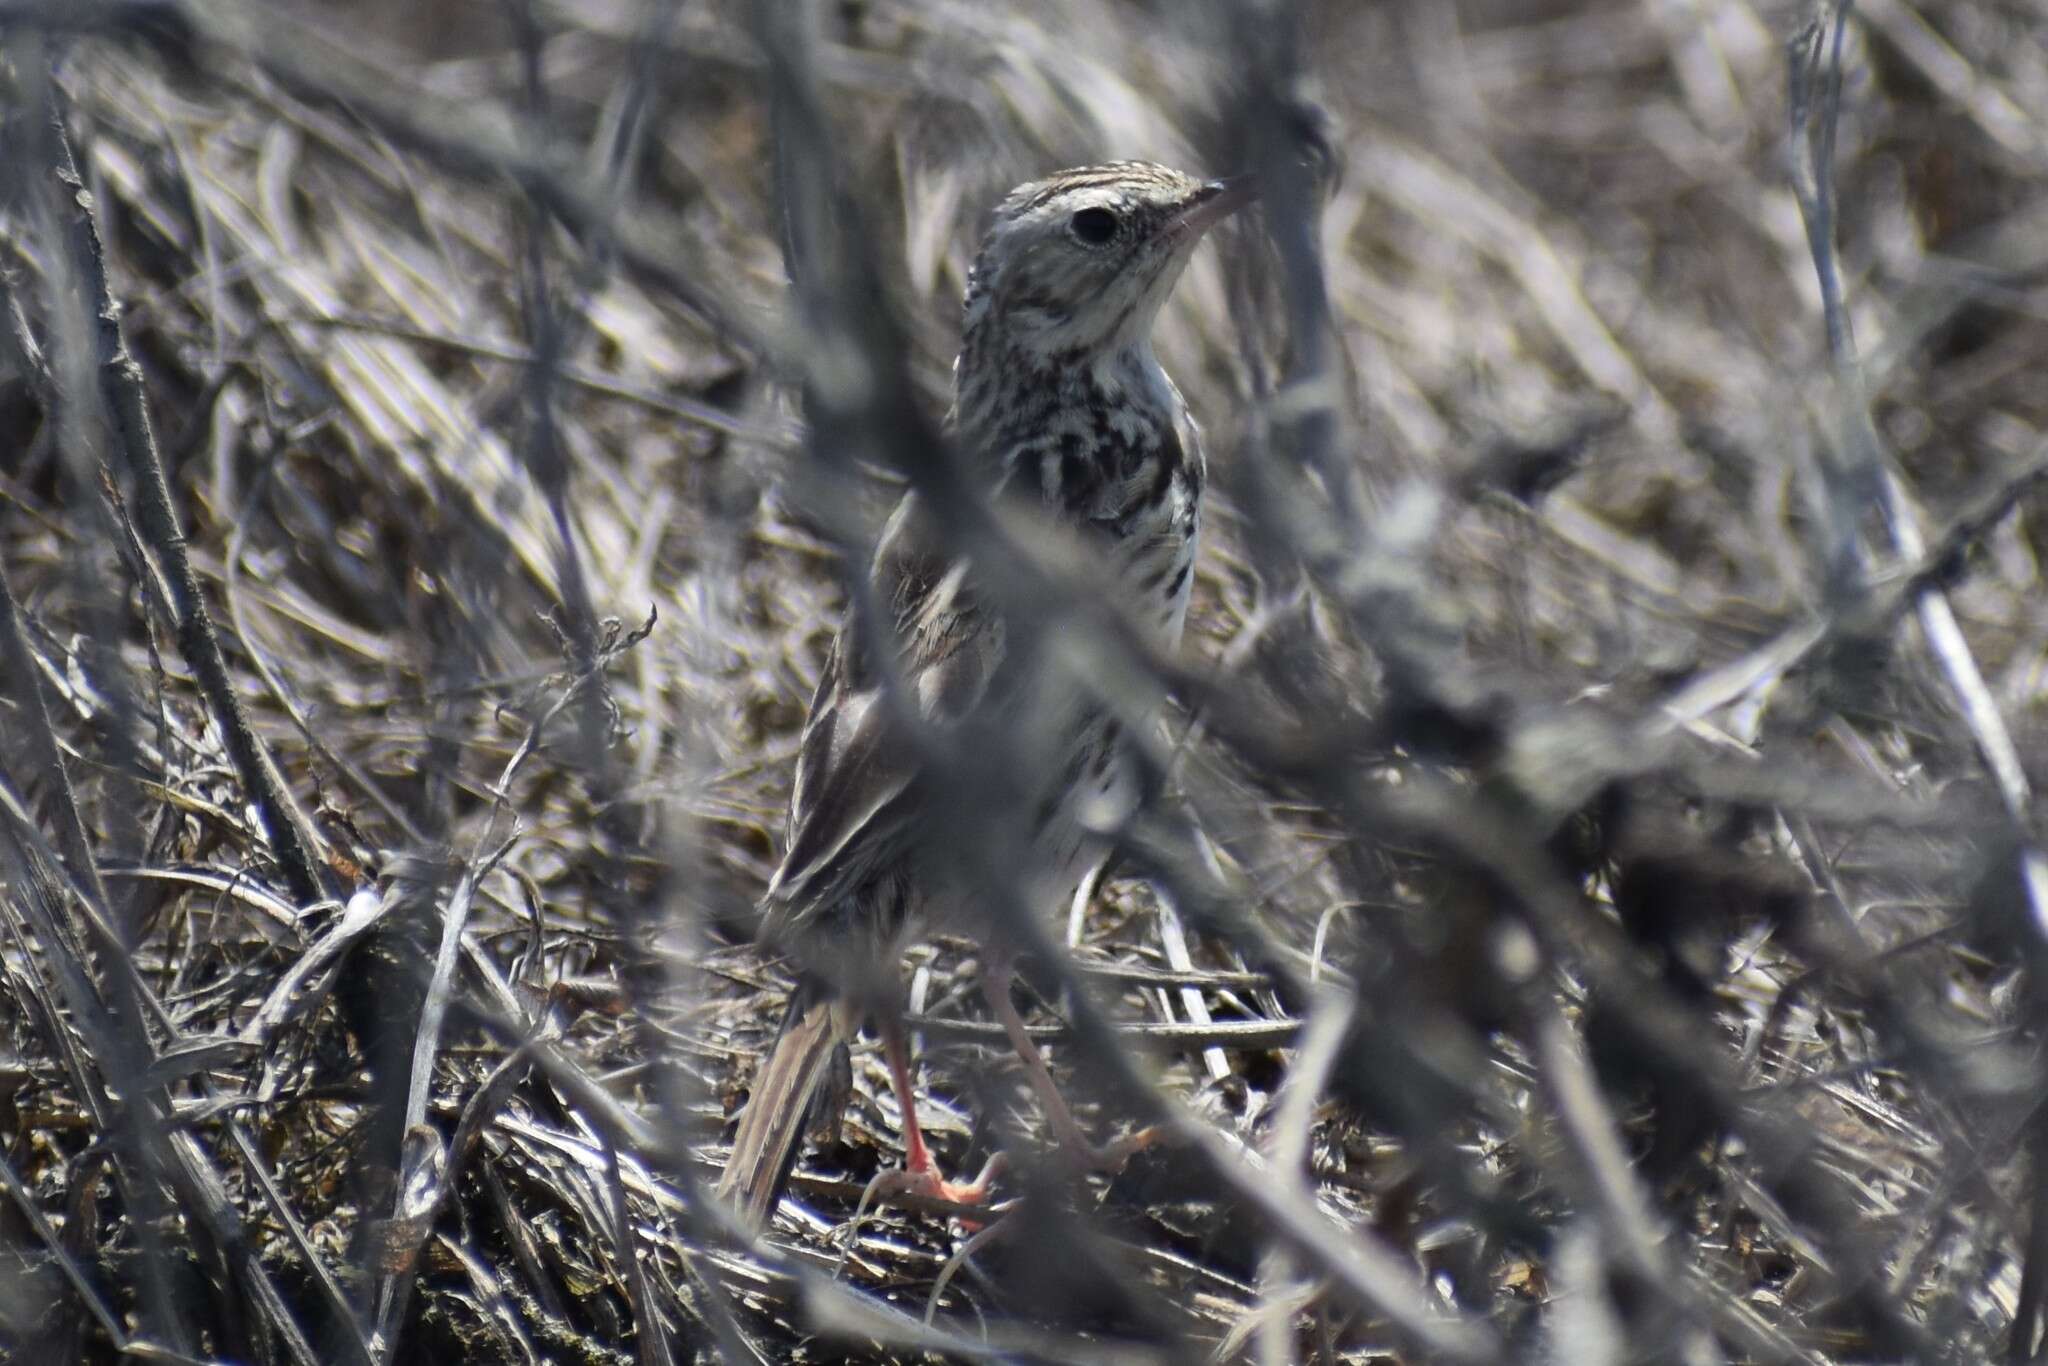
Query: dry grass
[[1614, 927]]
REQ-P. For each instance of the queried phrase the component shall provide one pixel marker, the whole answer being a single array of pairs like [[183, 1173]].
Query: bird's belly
[[1094, 793], [1088, 775], [1077, 776]]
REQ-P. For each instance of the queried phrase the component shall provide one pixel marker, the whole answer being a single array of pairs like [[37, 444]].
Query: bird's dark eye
[[1094, 226]]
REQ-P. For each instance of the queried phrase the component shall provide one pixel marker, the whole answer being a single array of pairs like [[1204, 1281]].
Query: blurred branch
[[457, 135], [1479, 717], [862, 402], [291, 836], [1816, 66]]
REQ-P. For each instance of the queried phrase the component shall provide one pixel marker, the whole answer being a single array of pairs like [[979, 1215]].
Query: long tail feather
[[764, 1148]]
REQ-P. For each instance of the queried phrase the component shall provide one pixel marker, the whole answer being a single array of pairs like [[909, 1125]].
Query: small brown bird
[[1057, 393]]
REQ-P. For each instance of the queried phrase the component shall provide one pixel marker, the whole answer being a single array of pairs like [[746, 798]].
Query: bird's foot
[[927, 1182], [922, 1181], [1109, 1158]]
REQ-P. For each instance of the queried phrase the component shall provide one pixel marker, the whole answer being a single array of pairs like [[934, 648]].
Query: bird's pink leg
[[995, 985], [920, 1174]]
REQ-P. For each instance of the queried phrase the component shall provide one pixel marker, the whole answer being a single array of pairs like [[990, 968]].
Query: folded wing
[[853, 812]]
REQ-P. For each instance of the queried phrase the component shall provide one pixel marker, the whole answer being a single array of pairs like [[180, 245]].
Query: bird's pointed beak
[[1213, 202]]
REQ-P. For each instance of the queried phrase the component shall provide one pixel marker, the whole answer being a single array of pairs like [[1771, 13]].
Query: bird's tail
[[764, 1148]]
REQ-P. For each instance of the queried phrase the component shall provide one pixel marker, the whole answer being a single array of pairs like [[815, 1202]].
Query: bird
[[1059, 402]]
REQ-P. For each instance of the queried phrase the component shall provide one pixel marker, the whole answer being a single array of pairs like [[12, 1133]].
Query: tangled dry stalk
[[1595, 909]]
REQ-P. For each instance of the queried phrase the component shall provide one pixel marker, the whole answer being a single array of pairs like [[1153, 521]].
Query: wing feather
[[852, 810]]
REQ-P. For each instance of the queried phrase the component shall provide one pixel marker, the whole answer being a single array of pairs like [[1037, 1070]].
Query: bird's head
[[1082, 260]]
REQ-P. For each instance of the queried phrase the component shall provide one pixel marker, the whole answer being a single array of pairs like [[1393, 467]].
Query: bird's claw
[[923, 1181], [1110, 1158]]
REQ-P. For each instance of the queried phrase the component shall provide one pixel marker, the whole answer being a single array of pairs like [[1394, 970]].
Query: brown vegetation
[[1595, 905]]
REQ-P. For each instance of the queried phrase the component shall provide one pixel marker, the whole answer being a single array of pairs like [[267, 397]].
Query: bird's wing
[[856, 772]]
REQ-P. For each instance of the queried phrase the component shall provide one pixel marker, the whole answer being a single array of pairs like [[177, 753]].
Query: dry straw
[[1594, 903]]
